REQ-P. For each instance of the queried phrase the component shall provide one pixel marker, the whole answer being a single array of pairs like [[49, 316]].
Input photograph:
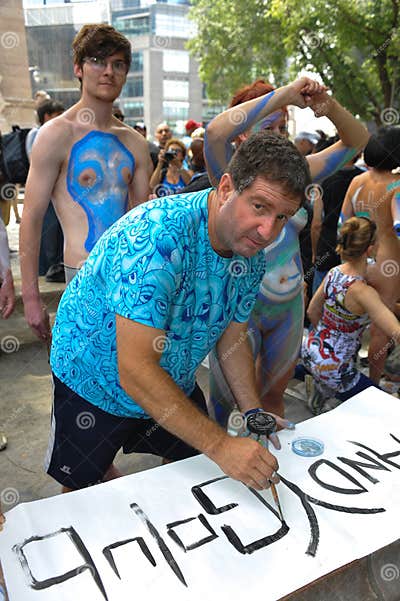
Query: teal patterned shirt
[[157, 267]]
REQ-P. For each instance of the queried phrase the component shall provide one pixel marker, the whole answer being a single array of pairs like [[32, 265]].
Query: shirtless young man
[[375, 194], [92, 166]]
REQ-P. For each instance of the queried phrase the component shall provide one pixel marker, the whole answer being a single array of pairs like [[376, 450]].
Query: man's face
[[103, 78], [248, 222], [163, 134]]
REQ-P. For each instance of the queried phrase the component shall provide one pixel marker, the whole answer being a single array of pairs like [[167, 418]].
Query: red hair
[[254, 90]]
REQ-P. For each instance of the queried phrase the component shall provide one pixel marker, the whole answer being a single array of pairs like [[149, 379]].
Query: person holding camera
[[169, 177]]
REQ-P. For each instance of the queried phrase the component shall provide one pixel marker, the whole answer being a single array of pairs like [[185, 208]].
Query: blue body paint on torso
[[99, 170]]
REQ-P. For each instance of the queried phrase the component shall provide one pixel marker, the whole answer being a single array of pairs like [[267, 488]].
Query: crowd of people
[[179, 249]]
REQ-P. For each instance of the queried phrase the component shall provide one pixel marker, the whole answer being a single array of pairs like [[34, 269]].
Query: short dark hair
[[273, 157], [383, 149], [48, 107], [100, 40]]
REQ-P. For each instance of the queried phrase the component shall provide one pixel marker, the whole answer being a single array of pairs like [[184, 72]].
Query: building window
[[174, 26], [173, 110], [176, 60], [137, 61], [176, 89], [133, 87], [133, 108], [139, 26]]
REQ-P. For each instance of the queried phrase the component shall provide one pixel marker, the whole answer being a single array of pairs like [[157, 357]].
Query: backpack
[[14, 162]]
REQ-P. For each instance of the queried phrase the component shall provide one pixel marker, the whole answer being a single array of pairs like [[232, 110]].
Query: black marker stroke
[[312, 518], [144, 548], [382, 456], [212, 536], [314, 526], [160, 542], [261, 542], [312, 470], [358, 465], [257, 544], [79, 545], [206, 502]]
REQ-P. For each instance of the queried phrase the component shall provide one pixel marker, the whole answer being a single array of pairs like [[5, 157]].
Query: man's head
[[163, 134], [190, 126], [197, 161], [141, 128], [41, 96], [102, 57], [306, 141], [48, 110], [264, 186], [101, 41]]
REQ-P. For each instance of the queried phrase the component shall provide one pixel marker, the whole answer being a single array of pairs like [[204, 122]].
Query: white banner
[[187, 531]]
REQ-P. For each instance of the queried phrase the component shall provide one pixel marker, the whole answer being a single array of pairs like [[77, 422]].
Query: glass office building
[[163, 82]]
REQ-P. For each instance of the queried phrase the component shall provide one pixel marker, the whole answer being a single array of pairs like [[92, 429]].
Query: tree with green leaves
[[353, 46]]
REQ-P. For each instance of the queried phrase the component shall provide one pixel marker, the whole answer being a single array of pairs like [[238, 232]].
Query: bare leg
[[272, 400], [112, 473], [15, 209], [65, 489]]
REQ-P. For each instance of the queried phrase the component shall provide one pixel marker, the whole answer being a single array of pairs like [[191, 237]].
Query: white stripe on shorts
[[50, 446]]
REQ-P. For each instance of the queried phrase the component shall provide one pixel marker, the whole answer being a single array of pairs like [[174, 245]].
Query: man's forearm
[[30, 233], [155, 391], [238, 366]]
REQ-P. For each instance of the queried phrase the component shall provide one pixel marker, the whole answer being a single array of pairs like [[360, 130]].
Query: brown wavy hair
[[98, 39], [356, 235]]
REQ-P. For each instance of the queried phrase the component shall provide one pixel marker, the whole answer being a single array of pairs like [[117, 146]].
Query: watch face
[[261, 423]]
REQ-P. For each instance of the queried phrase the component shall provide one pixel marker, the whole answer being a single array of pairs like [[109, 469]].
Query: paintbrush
[[276, 499]]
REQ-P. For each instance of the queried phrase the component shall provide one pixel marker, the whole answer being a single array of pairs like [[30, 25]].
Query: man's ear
[[225, 188], [78, 72]]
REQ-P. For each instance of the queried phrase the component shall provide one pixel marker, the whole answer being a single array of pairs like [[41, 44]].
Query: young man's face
[[103, 78], [248, 222]]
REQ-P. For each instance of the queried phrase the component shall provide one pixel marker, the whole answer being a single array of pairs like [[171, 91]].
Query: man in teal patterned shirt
[[165, 284]]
